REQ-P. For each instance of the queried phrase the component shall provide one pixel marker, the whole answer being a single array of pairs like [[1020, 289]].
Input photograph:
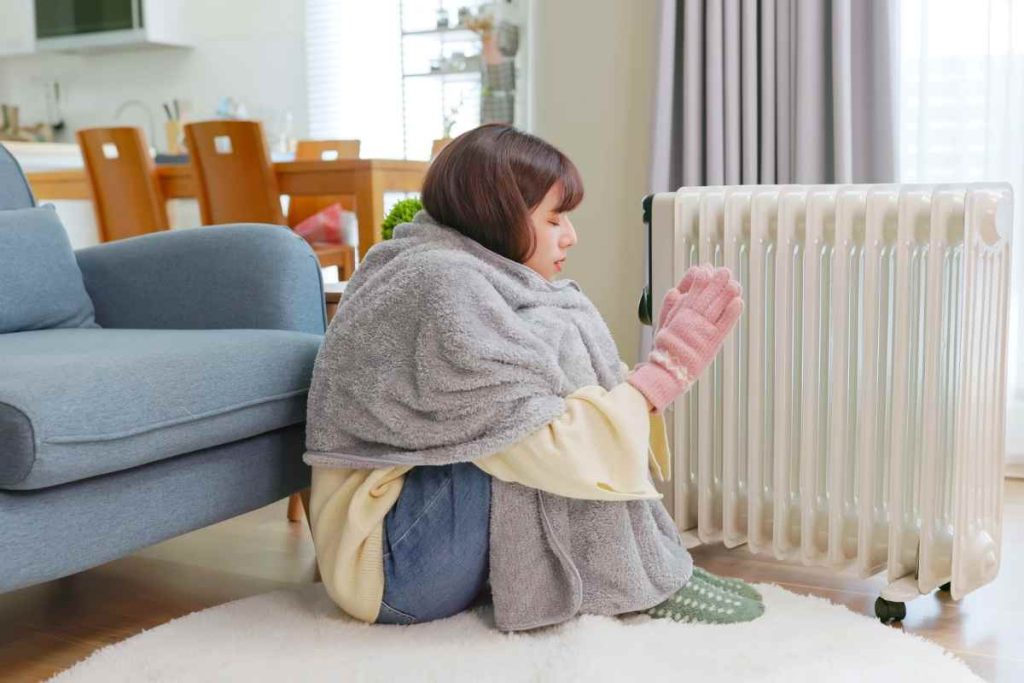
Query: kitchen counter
[[45, 156]]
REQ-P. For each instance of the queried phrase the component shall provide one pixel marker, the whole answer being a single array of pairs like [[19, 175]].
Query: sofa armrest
[[244, 276]]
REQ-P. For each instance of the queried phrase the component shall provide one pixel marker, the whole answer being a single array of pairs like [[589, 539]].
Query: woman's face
[[553, 235]]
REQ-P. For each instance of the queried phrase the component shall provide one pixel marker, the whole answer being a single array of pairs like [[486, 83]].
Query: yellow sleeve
[[601, 448], [347, 510], [661, 461]]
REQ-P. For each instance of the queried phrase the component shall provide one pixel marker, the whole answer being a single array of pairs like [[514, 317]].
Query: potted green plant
[[402, 212]]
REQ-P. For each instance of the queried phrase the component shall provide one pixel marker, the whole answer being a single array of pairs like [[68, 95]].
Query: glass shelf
[[468, 75], [460, 31]]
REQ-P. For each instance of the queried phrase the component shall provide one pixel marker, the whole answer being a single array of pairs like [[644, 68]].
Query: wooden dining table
[[366, 179]]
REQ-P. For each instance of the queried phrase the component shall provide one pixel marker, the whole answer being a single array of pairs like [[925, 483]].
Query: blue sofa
[[148, 387]]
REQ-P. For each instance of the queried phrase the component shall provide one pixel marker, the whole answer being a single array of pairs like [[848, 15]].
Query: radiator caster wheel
[[945, 588], [890, 611]]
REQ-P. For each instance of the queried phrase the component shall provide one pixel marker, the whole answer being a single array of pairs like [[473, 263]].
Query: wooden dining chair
[[236, 183], [301, 208], [126, 195]]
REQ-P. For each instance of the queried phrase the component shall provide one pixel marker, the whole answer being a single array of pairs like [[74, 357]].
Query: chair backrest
[[125, 191], [301, 208], [14, 190], [326, 150], [235, 181], [438, 145]]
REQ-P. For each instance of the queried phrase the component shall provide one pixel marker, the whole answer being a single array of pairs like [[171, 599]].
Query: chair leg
[[295, 508]]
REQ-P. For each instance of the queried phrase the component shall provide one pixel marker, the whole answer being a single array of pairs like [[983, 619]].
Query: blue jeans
[[436, 544]]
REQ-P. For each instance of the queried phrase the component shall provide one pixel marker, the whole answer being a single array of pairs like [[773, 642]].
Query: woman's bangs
[[572, 187]]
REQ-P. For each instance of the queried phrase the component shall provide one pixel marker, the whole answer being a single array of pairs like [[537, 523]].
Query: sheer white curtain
[[961, 117], [368, 79], [354, 74]]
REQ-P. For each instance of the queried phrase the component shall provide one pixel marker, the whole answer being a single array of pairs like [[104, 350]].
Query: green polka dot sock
[[732, 585], [699, 602]]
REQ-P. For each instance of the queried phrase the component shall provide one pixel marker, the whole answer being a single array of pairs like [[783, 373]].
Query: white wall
[[591, 95], [253, 51]]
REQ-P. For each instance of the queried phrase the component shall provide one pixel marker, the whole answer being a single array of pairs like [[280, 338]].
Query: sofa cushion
[[76, 403], [40, 283]]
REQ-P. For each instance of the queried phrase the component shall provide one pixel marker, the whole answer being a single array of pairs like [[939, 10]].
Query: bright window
[[382, 72], [961, 99], [354, 74]]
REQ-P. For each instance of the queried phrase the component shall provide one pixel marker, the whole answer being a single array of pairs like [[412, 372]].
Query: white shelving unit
[[434, 86]]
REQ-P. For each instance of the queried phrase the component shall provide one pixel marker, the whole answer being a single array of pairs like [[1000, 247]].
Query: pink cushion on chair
[[322, 226]]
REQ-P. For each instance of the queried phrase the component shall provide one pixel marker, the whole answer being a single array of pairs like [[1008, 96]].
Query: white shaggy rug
[[299, 634]]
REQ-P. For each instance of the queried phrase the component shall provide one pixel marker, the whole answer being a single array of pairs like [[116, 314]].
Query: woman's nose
[[569, 235]]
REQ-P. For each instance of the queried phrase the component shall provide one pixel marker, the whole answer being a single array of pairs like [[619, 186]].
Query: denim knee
[[436, 543]]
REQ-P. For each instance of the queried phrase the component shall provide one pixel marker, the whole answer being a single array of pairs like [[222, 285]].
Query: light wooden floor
[[46, 628]]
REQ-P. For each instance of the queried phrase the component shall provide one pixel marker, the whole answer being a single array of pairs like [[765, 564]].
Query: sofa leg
[[295, 508]]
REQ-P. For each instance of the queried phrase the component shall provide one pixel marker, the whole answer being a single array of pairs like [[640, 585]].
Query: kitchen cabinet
[[36, 26], [86, 26]]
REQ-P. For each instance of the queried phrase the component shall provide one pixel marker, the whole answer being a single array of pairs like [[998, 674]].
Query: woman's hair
[[486, 182]]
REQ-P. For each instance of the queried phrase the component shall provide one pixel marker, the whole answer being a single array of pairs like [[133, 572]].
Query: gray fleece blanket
[[443, 351]]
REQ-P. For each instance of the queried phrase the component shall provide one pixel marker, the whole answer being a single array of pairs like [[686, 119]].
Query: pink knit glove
[[695, 318], [701, 273]]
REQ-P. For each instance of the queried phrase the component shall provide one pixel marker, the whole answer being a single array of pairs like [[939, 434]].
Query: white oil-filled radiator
[[855, 416]]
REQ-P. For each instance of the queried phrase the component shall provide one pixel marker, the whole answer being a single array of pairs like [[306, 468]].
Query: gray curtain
[[773, 91]]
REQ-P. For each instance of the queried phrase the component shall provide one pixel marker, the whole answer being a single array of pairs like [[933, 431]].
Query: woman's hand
[[695, 318], [701, 273]]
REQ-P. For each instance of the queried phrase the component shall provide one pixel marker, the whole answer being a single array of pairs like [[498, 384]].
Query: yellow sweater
[[600, 449]]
